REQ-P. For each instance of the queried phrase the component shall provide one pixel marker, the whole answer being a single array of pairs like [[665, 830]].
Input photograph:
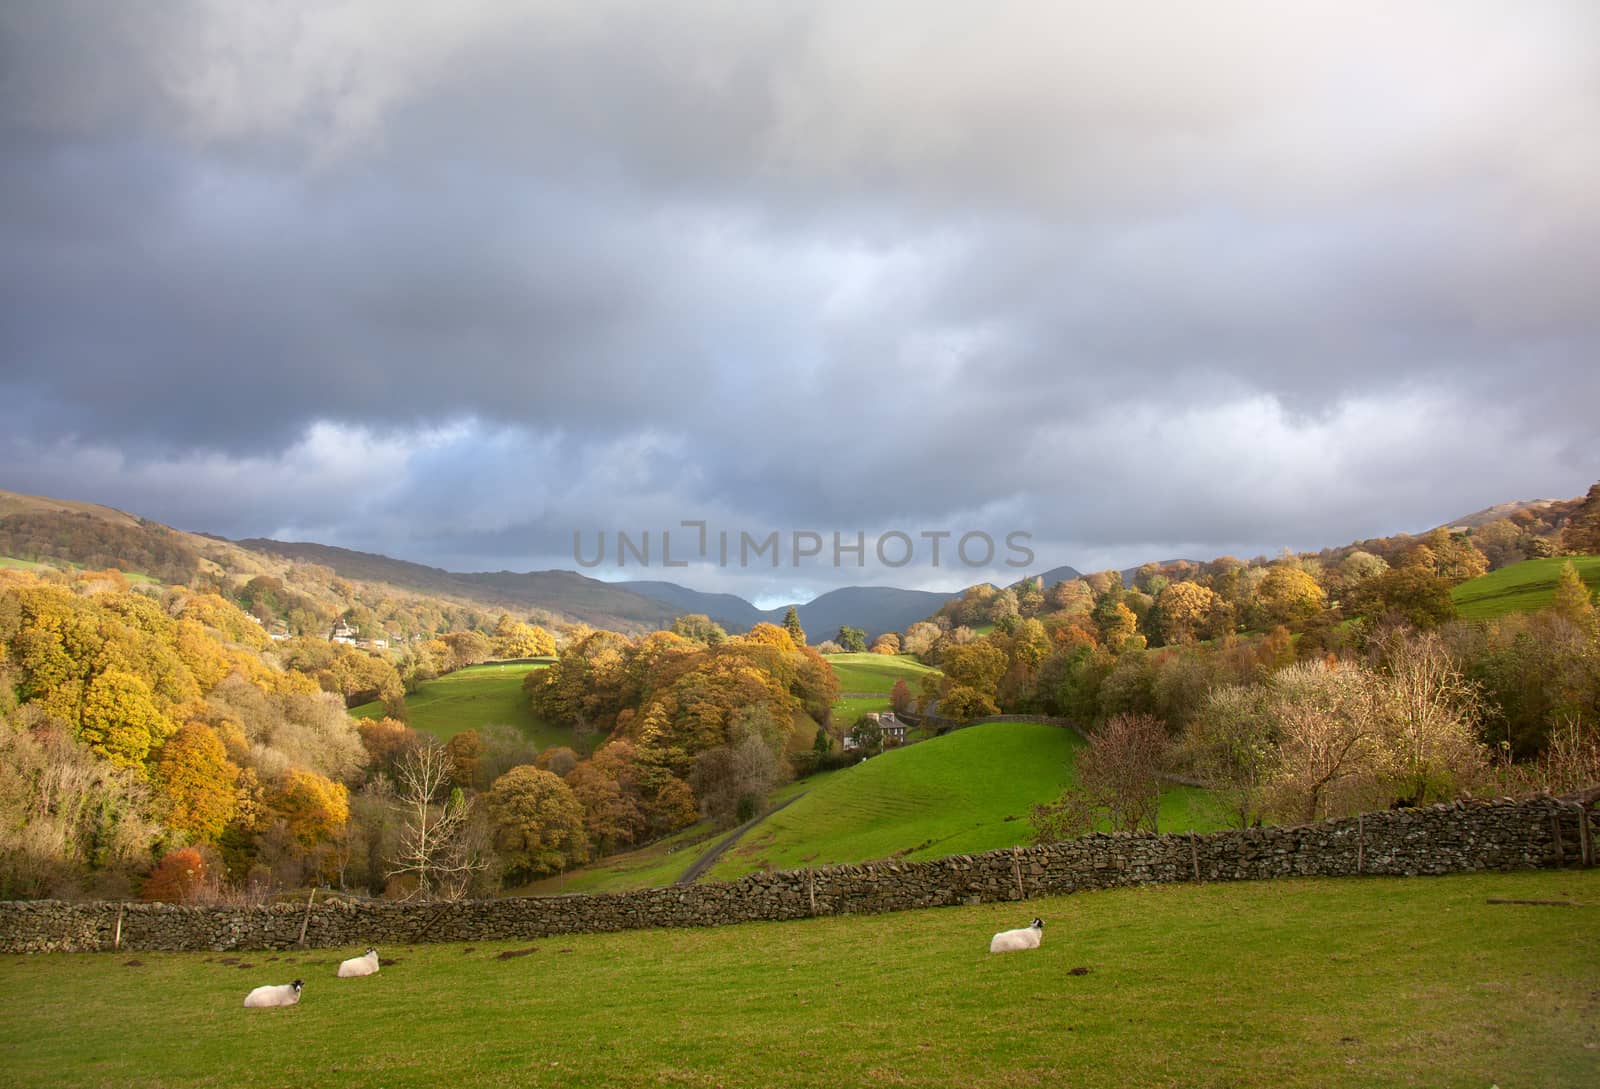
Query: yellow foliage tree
[[314, 807], [199, 782]]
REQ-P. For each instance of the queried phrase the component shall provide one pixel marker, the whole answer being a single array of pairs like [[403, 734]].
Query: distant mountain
[[567, 593], [1501, 510], [729, 610], [873, 609]]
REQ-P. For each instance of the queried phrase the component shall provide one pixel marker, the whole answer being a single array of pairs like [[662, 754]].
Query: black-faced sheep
[[359, 966], [282, 994], [1028, 937]]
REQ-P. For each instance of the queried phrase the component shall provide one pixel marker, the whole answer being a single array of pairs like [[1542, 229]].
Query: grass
[[134, 577], [862, 673], [1334, 984], [1522, 587], [872, 673], [966, 792], [480, 695]]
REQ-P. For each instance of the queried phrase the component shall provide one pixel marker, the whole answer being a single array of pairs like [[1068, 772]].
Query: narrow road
[[704, 862]]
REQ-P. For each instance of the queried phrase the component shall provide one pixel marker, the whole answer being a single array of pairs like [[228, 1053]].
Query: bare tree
[[1229, 744], [436, 846], [1327, 719], [1119, 781], [1428, 746]]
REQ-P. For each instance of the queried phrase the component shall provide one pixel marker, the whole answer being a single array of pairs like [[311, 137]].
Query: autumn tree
[[120, 718], [1288, 594], [198, 781], [887, 643], [515, 639], [1188, 611], [791, 624], [1414, 595], [900, 698], [312, 807], [1572, 599], [1449, 556], [182, 877], [537, 824], [701, 629], [1581, 535], [920, 637]]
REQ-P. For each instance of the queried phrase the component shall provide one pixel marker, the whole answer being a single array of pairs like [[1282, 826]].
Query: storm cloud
[[453, 281]]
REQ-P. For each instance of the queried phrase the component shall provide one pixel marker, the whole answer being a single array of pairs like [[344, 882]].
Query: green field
[[480, 695], [134, 577], [1294, 984], [1521, 588], [872, 673], [877, 672], [964, 793]]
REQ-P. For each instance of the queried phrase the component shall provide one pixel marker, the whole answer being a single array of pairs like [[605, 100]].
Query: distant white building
[[344, 633]]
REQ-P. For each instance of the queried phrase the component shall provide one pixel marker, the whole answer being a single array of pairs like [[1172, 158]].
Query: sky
[[473, 283]]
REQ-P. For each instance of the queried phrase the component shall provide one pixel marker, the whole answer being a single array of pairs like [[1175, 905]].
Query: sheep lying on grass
[[1028, 937], [283, 994], [359, 966]]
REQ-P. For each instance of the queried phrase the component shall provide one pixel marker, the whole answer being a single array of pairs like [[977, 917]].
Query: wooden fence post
[[305, 922], [1016, 869], [116, 934], [1585, 840], [811, 892]]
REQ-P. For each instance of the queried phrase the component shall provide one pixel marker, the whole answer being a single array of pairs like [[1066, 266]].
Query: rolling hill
[[966, 792], [1520, 587]]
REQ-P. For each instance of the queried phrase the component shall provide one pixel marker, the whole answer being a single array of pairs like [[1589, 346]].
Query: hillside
[[1522, 587], [566, 594], [471, 698], [969, 791]]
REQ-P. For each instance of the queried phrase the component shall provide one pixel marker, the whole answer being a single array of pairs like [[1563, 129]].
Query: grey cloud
[[1144, 281]]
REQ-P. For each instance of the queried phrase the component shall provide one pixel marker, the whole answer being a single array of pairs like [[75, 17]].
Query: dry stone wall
[[1456, 838]]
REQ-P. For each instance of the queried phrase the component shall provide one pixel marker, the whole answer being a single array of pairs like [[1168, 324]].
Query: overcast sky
[[454, 281]]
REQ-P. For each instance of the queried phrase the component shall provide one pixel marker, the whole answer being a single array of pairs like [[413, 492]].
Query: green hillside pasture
[[135, 577], [877, 672], [966, 792], [1521, 588], [481, 695], [1352, 983]]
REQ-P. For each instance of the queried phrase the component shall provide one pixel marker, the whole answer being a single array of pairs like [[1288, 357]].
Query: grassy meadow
[[479, 695], [1520, 588], [862, 673], [966, 792], [1294, 984], [869, 678]]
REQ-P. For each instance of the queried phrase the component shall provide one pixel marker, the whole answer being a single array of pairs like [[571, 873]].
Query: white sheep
[[1028, 937], [283, 994], [359, 966]]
